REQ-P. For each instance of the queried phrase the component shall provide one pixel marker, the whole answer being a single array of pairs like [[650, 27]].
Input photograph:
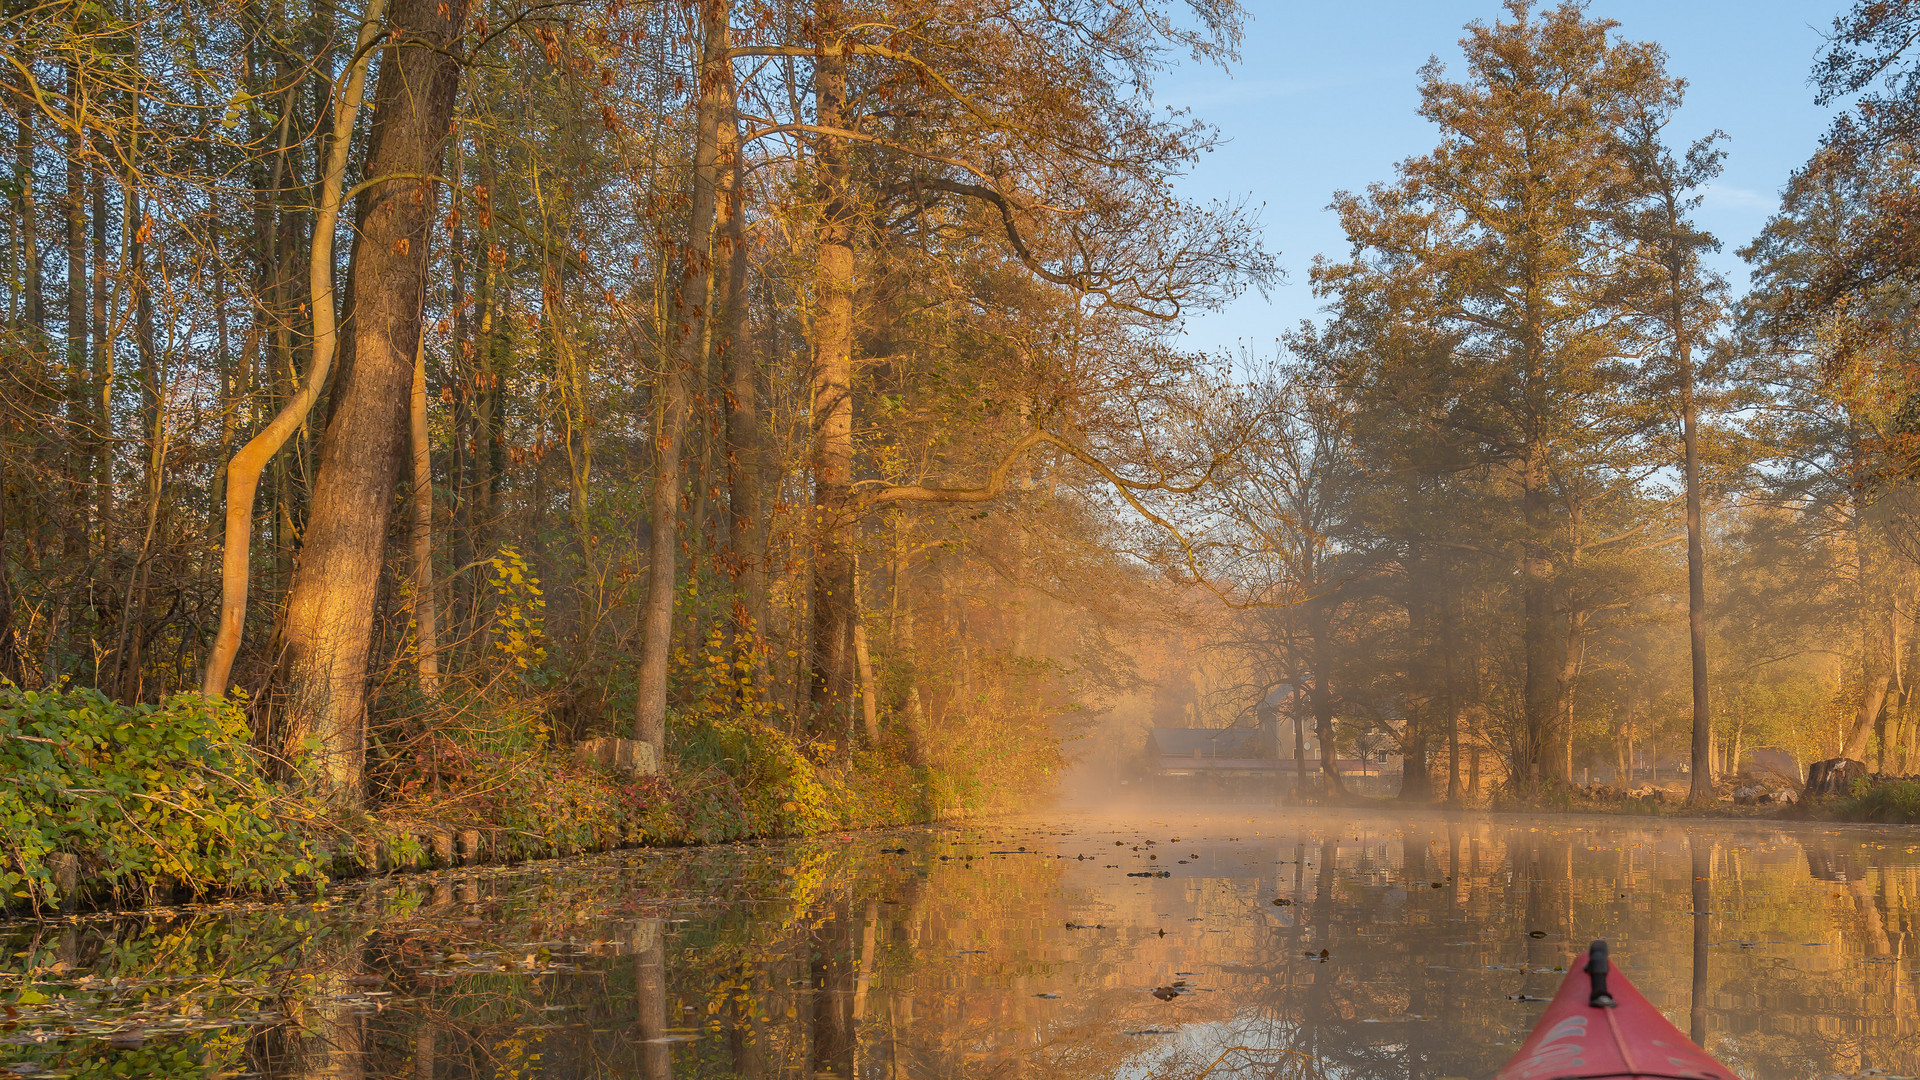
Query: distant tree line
[[1540, 489]]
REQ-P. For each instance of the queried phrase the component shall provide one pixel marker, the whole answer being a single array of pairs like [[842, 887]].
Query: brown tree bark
[[746, 502], [28, 220], [425, 611], [832, 383], [1702, 788], [1416, 775], [330, 607], [1542, 760], [243, 472], [97, 499], [11, 667], [687, 319], [1876, 617], [1450, 656], [79, 421], [1321, 697], [863, 662]]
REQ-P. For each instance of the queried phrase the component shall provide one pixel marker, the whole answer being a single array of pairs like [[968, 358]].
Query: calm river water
[[1281, 944]]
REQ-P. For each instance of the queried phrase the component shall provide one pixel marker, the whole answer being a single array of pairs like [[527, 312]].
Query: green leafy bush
[[1890, 800], [152, 799]]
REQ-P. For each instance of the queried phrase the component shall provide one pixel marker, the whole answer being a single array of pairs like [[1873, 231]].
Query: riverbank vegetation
[[435, 386], [395, 398]]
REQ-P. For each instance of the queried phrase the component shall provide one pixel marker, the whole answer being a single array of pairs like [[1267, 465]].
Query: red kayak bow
[[1598, 1026]]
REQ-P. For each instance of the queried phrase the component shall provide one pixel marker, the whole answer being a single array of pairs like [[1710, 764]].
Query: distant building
[[1185, 751], [1265, 748]]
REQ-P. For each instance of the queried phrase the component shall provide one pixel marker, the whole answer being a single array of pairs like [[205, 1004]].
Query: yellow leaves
[[517, 626]]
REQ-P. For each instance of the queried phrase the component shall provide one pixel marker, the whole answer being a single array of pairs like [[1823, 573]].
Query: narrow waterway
[[1248, 940]]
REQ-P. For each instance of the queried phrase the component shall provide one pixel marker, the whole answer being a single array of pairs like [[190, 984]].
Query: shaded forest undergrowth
[[118, 805]]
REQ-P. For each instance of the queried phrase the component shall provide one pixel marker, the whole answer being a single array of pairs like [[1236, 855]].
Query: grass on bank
[[171, 800]]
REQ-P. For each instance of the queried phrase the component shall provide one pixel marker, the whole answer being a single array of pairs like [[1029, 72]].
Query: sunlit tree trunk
[[863, 661], [243, 472], [1876, 618], [687, 318], [425, 611], [832, 381], [330, 606], [746, 502]]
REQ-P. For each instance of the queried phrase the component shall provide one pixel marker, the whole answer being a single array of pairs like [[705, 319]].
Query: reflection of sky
[[1253, 1032], [1325, 96]]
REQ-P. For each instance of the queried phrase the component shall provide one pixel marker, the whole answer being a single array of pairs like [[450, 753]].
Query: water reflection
[[1066, 947]]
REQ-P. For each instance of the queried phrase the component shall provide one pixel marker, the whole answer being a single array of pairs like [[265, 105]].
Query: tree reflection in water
[[1017, 949]]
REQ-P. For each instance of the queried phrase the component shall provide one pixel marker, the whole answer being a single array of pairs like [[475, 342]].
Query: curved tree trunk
[[243, 472], [330, 606]]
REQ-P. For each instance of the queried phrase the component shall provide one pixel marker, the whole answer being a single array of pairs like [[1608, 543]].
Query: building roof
[[1204, 742]]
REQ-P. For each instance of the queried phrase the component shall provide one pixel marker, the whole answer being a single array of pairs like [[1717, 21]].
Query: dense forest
[[444, 382]]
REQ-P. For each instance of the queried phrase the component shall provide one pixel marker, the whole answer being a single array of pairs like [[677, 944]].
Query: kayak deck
[[1628, 1039]]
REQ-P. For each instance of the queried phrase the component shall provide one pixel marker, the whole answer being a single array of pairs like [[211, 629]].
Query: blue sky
[[1325, 94]]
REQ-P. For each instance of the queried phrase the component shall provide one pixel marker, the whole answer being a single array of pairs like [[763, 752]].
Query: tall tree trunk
[[1876, 645], [425, 611], [1299, 742], [1322, 699], [79, 425], [832, 388], [1450, 630], [863, 661], [131, 644], [1539, 761], [1701, 791], [746, 527], [11, 667], [28, 220], [98, 496], [1416, 776], [243, 472], [687, 319], [330, 606]]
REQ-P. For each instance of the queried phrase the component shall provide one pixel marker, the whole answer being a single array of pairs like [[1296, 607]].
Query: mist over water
[[1149, 940]]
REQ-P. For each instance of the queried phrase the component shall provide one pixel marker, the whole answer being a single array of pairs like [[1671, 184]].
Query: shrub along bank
[[143, 802]]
